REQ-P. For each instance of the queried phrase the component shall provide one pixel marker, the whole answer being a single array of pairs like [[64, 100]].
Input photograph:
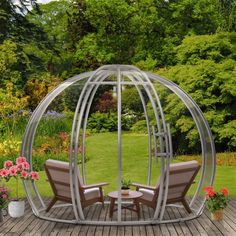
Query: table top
[[132, 195]]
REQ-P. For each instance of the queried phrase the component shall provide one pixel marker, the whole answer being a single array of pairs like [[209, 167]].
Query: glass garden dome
[[159, 150]]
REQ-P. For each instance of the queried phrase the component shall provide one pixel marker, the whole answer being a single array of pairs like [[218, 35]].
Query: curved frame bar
[[137, 77], [204, 130]]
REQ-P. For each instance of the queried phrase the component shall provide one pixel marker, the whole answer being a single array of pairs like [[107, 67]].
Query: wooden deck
[[31, 225]]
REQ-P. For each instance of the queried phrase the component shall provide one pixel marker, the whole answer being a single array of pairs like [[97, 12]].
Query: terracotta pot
[[217, 215], [16, 208], [125, 191]]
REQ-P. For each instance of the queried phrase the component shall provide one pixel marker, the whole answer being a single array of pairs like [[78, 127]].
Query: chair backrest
[[58, 173], [181, 176]]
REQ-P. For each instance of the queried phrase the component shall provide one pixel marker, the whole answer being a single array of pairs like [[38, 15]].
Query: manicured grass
[[102, 166]]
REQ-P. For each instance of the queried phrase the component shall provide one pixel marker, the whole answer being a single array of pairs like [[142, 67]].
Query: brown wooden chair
[[59, 178], [180, 179]]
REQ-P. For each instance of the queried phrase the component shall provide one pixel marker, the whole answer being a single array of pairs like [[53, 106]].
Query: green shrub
[[9, 147], [140, 126], [107, 122], [102, 122]]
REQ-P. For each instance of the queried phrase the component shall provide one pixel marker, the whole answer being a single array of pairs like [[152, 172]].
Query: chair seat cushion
[[91, 193], [147, 194]]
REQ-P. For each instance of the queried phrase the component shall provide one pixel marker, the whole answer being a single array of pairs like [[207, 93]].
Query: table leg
[[136, 203], [112, 205]]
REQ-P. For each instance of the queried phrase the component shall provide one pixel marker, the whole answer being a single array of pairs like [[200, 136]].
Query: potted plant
[[216, 202], [3, 200], [125, 186], [18, 171]]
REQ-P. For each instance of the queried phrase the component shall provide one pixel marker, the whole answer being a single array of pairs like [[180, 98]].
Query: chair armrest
[[143, 186], [94, 185]]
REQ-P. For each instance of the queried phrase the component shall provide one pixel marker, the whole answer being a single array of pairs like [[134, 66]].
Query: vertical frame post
[[119, 141]]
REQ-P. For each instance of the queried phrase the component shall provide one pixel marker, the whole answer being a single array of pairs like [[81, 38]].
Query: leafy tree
[[8, 63], [54, 54], [211, 84], [215, 47], [13, 21], [151, 31]]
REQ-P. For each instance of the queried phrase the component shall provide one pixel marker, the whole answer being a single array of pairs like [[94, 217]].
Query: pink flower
[[19, 167], [4, 196], [20, 160], [4, 173], [24, 174], [8, 164], [34, 175], [25, 165], [13, 170], [224, 191]]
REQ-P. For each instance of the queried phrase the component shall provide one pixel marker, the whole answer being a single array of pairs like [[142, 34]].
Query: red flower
[[34, 175], [8, 164], [211, 193], [225, 191], [208, 189], [20, 160]]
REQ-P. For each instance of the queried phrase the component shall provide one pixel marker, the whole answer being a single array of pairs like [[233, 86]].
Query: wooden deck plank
[[31, 225]]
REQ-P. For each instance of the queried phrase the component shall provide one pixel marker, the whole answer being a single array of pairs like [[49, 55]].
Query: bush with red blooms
[[19, 170], [216, 200]]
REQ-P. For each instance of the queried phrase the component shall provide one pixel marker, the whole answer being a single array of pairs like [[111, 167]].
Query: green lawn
[[102, 165]]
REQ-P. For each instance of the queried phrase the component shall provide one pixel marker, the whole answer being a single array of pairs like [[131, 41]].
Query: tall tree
[[12, 18]]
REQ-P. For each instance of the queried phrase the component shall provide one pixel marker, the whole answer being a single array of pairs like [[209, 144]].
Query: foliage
[[216, 200], [152, 29], [38, 88], [140, 126], [107, 122], [106, 102], [131, 100], [52, 123], [10, 147], [9, 59], [12, 18], [4, 194], [11, 102], [217, 48], [211, 84], [102, 122], [53, 19], [126, 183]]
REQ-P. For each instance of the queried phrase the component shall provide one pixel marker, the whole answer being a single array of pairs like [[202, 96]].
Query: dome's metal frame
[[119, 75]]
